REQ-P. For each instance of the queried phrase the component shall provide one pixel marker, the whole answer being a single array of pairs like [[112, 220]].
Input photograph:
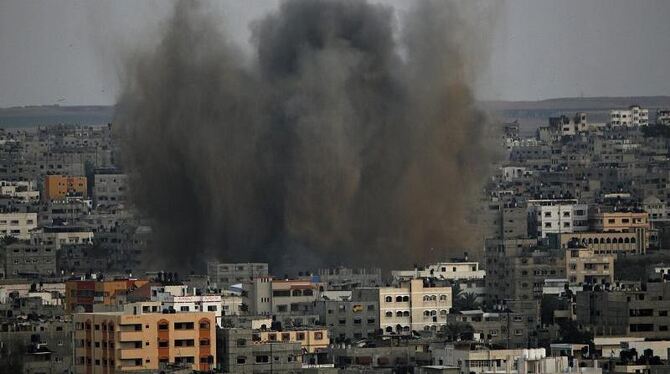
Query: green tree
[[463, 300]]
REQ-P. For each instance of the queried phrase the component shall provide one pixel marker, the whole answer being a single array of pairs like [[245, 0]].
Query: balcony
[[131, 353], [130, 336]]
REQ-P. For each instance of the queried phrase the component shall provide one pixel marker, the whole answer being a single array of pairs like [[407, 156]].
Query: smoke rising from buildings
[[345, 138]]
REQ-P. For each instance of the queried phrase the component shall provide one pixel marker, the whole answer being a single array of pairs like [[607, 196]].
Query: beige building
[[624, 243], [311, 340], [134, 340], [582, 265], [414, 305], [17, 224]]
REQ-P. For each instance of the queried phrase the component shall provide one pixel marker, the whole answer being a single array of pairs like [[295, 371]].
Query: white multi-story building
[[557, 216], [467, 274], [17, 224], [191, 303], [443, 270], [22, 190], [414, 305], [633, 116]]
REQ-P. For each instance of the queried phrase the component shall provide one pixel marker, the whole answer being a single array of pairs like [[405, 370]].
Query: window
[[260, 359], [318, 335], [184, 343], [211, 308], [184, 308], [184, 326], [239, 342], [163, 344], [300, 336]]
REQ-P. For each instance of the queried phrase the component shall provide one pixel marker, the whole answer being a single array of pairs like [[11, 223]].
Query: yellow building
[[620, 221], [132, 340], [310, 340], [57, 187]]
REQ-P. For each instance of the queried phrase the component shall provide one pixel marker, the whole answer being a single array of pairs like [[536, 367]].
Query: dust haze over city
[[341, 139], [335, 186]]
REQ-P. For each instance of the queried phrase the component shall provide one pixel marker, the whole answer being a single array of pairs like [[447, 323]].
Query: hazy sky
[[69, 52]]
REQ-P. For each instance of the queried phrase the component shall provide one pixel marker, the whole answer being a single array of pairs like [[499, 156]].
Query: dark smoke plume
[[341, 140]]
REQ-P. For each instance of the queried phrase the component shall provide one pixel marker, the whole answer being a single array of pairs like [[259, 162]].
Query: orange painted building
[[83, 294], [57, 187], [114, 342]]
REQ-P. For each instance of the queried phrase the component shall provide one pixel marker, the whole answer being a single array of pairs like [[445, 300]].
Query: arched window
[[426, 298], [620, 240], [388, 299], [632, 240], [443, 312], [626, 240], [433, 312], [398, 314], [204, 324], [405, 298], [405, 313], [405, 328], [443, 297], [398, 299], [389, 329], [590, 241], [602, 240], [433, 297], [608, 241], [426, 313], [389, 314]]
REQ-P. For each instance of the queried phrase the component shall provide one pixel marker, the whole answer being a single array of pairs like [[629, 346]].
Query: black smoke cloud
[[345, 138]]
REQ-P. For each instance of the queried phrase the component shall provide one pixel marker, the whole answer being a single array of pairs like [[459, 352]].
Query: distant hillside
[[530, 114], [29, 116]]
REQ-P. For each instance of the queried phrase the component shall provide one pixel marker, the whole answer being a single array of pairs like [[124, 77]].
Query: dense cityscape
[[573, 219], [334, 187]]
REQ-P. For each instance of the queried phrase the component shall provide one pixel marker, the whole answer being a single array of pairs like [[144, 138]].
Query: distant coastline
[[528, 113]]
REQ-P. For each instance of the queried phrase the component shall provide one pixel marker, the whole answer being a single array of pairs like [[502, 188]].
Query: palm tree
[[464, 300]]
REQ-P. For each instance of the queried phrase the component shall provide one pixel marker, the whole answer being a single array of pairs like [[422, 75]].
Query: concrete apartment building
[[226, 274], [464, 270], [354, 319], [311, 339], [341, 278], [258, 297], [414, 305], [19, 190], [109, 188], [466, 274], [58, 236], [81, 295], [504, 329], [556, 216], [583, 266], [58, 187], [291, 296], [192, 303], [239, 353], [633, 116], [616, 243], [29, 260], [640, 312], [18, 224], [134, 340]]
